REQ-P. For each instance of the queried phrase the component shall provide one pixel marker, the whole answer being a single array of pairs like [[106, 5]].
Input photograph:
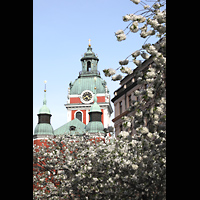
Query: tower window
[[88, 66], [79, 116]]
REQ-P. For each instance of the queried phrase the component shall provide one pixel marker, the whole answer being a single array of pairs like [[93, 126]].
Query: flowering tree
[[149, 112], [133, 166]]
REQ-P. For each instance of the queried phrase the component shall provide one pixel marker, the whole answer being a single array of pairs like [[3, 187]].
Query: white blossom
[[135, 167], [124, 62], [136, 1], [117, 77], [135, 53], [145, 55], [119, 32], [121, 37], [126, 70], [137, 62], [134, 27], [146, 6], [109, 72], [124, 133]]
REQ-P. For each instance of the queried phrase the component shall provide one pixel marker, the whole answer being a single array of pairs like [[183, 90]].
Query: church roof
[[44, 129], [87, 83], [89, 55], [95, 127], [74, 127]]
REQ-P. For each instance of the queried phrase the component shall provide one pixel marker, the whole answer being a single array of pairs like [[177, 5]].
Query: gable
[[74, 127]]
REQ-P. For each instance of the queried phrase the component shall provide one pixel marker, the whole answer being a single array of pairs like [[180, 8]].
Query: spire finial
[[45, 86], [45, 101], [89, 43]]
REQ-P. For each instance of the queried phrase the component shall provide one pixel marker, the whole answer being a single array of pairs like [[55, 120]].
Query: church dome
[[44, 110], [95, 107], [43, 128], [87, 83], [95, 127]]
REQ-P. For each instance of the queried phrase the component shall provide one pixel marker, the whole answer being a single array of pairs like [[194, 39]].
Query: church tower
[[44, 127], [81, 92]]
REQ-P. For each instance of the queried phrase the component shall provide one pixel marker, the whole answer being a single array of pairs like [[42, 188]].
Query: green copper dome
[[95, 107], [94, 127], [43, 128], [44, 109], [87, 83]]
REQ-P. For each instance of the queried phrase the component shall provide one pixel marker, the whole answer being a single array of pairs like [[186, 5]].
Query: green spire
[[95, 107], [44, 126], [44, 109], [95, 125]]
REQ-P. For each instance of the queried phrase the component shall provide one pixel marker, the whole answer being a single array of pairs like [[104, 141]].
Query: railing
[[89, 72]]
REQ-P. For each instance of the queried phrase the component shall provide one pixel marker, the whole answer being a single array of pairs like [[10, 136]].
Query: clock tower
[[81, 92]]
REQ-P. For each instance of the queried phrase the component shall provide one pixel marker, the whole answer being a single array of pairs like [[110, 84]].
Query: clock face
[[87, 96]]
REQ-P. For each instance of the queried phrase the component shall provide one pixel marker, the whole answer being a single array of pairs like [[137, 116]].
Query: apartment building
[[124, 96]]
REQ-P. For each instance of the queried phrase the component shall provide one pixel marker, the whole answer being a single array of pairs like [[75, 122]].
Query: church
[[88, 105]]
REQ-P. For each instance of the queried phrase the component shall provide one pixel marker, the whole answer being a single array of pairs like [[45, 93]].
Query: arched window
[[79, 116], [88, 66]]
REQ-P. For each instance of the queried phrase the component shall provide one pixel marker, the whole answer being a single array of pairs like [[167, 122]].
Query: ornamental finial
[[89, 43], [45, 86]]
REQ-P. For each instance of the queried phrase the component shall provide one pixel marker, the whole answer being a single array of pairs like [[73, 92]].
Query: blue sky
[[61, 29]]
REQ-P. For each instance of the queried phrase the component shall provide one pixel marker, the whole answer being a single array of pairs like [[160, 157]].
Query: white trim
[[79, 95], [87, 116]]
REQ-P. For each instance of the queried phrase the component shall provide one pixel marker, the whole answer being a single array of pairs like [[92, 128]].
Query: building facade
[[124, 97]]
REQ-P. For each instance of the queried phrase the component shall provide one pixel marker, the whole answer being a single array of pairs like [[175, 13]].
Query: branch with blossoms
[[151, 21], [147, 114]]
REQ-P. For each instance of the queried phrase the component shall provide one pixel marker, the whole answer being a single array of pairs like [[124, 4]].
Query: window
[[129, 100], [72, 128], [120, 127], [79, 116], [120, 107], [88, 66]]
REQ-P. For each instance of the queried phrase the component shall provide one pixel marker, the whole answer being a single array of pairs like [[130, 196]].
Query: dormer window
[[88, 66], [72, 128]]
